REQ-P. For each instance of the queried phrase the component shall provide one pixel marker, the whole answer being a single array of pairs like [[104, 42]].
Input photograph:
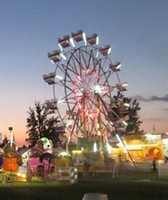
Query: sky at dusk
[[136, 30]]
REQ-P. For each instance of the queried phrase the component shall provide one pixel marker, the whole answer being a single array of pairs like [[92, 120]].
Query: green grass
[[126, 186]]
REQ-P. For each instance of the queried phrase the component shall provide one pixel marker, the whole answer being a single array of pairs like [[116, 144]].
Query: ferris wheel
[[87, 90]]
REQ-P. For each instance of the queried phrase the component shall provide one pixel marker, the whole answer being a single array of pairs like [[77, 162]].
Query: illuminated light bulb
[[23, 175], [90, 115], [84, 38], [63, 56], [97, 54], [125, 84], [59, 77], [72, 42], [125, 123], [79, 78], [95, 147], [127, 104], [60, 46], [87, 71], [61, 101], [108, 147], [98, 89]]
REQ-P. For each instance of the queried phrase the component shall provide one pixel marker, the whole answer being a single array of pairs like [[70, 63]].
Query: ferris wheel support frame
[[72, 63]]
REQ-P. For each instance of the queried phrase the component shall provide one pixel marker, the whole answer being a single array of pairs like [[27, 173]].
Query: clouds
[[152, 98], [153, 112], [153, 119]]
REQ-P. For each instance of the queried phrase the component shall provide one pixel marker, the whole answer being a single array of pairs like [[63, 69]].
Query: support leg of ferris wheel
[[83, 116], [99, 122], [67, 145], [126, 149]]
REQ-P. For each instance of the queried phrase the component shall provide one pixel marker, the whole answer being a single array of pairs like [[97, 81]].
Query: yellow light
[[18, 174], [77, 151], [99, 133], [23, 175]]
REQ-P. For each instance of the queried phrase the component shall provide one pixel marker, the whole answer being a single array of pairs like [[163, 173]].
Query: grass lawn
[[128, 186]]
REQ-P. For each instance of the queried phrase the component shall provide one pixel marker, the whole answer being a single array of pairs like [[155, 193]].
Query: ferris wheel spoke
[[77, 60], [78, 125], [73, 128], [85, 60], [88, 62], [72, 109], [99, 71], [78, 67], [70, 89], [95, 63], [70, 70], [106, 75], [104, 63], [75, 66]]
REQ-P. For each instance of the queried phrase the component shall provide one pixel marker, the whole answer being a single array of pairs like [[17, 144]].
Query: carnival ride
[[10, 159], [39, 163], [88, 95], [41, 159]]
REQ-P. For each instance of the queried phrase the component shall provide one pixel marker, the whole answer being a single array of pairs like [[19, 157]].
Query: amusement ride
[[87, 91]]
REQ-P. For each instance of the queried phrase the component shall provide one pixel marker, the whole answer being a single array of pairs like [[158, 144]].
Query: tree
[[119, 111], [134, 119], [39, 125], [4, 142]]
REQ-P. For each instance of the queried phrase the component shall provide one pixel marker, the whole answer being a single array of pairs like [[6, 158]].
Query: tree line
[[41, 124]]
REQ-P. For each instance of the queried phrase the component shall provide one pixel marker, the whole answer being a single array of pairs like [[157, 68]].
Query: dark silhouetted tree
[[134, 119], [4, 142], [39, 125], [118, 111]]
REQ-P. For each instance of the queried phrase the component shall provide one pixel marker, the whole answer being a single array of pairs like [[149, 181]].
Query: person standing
[[86, 166], [154, 163]]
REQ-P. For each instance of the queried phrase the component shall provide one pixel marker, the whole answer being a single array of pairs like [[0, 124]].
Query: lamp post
[[11, 135]]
